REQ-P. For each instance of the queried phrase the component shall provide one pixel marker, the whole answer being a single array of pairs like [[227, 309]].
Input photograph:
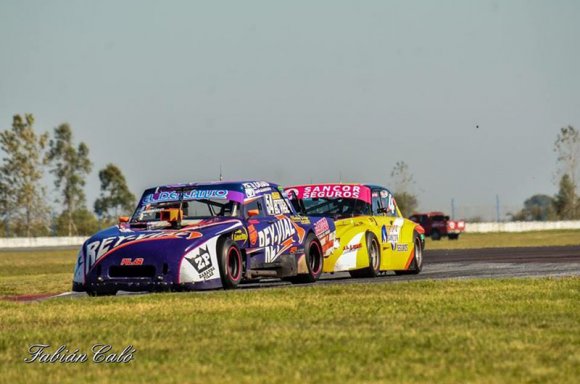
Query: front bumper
[[111, 287]]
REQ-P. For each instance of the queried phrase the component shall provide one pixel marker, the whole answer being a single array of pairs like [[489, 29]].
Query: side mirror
[[253, 212], [123, 219]]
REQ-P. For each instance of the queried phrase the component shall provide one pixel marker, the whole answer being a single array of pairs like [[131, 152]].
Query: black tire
[[314, 261], [436, 235], [230, 263], [374, 254], [417, 263], [453, 236]]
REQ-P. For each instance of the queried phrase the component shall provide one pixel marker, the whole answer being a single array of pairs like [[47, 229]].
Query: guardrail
[[40, 242], [515, 226], [520, 226]]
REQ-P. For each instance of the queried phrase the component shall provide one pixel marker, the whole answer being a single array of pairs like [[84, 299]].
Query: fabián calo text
[[100, 353]]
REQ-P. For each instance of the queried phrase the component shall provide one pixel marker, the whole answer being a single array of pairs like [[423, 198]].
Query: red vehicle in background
[[437, 225]]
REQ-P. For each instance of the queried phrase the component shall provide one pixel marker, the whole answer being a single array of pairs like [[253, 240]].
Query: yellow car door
[[396, 233]]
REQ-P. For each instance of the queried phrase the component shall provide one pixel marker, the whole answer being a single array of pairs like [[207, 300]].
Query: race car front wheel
[[230, 263], [374, 254], [314, 261]]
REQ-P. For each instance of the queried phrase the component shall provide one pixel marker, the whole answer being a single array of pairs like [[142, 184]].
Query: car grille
[[132, 271]]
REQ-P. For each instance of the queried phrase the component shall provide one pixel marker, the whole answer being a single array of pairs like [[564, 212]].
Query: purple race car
[[205, 236]]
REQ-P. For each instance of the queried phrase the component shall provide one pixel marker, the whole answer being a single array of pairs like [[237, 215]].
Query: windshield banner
[[194, 194], [346, 191]]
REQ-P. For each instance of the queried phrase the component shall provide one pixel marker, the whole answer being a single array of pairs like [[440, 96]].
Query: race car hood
[[120, 252]]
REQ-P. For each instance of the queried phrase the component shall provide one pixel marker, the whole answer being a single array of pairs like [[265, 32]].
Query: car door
[[254, 214], [383, 226], [268, 232], [394, 237]]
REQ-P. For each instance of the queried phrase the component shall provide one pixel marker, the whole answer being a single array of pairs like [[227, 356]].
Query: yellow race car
[[371, 234]]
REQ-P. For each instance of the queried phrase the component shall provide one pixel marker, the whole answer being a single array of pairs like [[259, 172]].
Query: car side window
[[254, 206], [276, 204], [376, 202], [388, 202]]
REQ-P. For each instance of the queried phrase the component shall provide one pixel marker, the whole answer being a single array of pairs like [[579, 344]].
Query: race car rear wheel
[[230, 263], [314, 261], [374, 254], [417, 263]]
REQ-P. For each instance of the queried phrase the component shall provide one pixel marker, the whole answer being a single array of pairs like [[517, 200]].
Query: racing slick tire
[[230, 263], [436, 235], [417, 263], [314, 261], [374, 254], [453, 236]]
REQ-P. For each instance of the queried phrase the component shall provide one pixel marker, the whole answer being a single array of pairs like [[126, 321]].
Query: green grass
[[440, 331], [504, 239], [482, 331], [36, 272]]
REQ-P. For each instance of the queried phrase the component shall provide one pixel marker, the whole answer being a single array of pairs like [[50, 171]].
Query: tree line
[[565, 205], [403, 180], [25, 209]]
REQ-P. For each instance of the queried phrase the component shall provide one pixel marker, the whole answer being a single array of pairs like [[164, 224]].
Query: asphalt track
[[475, 263], [455, 264]]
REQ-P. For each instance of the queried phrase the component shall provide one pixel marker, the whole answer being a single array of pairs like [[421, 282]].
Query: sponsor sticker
[[194, 194], [129, 261], [256, 187], [391, 205], [321, 227], [276, 206], [393, 233], [292, 193], [277, 232], [202, 263], [352, 247], [276, 238], [300, 219], [253, 235], [344, 191], [402, 247], [384, 236], [98, 248], [240, 235]]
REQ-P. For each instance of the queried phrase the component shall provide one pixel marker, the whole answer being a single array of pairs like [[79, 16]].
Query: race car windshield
[[335, 208], [181, 206]]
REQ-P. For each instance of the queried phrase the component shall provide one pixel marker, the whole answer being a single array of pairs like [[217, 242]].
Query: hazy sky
[[300, 91]]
